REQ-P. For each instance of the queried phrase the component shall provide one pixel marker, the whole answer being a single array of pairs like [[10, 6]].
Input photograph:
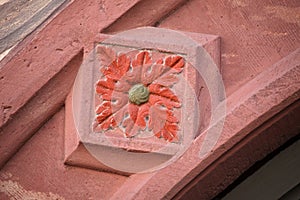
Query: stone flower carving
[[135, 94]]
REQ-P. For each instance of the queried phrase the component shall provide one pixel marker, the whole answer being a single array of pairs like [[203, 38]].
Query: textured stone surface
[[152, 12], [46, 102], [19, 18], [38, 170], [254, 36], [43, 56], [38, 59]]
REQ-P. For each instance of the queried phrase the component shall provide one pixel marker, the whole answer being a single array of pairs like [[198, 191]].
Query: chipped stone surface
[[287, 14], [14, 190]]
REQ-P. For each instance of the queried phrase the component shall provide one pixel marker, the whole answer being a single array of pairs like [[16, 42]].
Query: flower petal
[[175, 62], [168, 79], [117, 68], [141, 59], [119, 100], [109, 115], [133, 111], [159, 100], [163, 92], [109, 122], [169, 132], [142, 114], [133, 76], [106, 55], [103, 111], [122, 85], [151, 72], [105, 88], [157, 118], [131, 129], [171, 117]]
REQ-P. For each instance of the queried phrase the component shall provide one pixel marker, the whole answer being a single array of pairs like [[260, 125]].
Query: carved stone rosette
[[135, 94]]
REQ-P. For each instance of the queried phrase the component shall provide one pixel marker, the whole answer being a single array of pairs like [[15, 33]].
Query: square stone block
[[140, 98]]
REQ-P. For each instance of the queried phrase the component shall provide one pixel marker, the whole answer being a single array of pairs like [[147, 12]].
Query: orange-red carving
[[120, 75]]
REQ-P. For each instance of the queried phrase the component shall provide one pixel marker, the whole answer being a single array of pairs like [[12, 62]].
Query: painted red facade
[[259, 58]]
